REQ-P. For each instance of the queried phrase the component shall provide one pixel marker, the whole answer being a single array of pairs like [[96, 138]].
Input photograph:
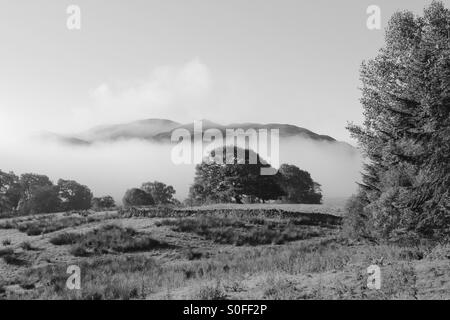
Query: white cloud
[[169, 92]]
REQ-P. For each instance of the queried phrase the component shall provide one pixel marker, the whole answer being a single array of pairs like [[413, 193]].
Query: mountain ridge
[[160, 131]]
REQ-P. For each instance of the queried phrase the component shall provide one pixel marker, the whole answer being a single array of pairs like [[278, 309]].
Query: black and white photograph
[[244, 151]]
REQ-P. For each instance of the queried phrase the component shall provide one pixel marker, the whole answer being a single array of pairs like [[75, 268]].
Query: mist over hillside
[[112, 164], [160, 130]]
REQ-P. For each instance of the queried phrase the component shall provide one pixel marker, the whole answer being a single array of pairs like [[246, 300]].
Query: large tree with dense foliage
[[73, 195], [43, 199], [161, 193], [233, 178], [137, 197], [406, 131], [105, 202], [10, 191], [31, 181], [298, 185], [35, 193], [33, 190]]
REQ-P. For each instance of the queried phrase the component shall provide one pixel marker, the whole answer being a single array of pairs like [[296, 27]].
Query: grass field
[[202, 254], [334, 208]]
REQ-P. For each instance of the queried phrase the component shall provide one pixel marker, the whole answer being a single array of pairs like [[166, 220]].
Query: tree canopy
[[44, 199], [137, 197], [406, 131], [35, 193], [10, 191], [298, 185], [237, 179], [104, 202], [73, 195], [160, 192]]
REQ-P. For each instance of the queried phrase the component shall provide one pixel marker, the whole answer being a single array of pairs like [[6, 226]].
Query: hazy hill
[[160, 130]]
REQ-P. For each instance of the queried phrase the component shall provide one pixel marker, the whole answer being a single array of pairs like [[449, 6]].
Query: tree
[[232, 181], [35, 193], [161, 193], [33, 190], [73, 195], [209, 185], [137, 197], [298, 185], [105, 202], [30, 181], [10, 191], [44, 199], [406, 132]]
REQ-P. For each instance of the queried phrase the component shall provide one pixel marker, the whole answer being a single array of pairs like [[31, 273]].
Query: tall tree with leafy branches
[[406, 131]]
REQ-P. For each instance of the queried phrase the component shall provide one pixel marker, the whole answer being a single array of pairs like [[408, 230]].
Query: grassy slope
[[194, 267], [333, 209]]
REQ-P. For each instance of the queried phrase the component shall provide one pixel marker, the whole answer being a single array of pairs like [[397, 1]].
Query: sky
[[285, 61], [228, 61]]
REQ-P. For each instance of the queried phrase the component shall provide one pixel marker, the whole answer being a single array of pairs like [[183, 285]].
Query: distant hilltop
[[160, 131]]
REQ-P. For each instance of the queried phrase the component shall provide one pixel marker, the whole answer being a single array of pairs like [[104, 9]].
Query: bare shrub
[[279, 289], [210, 292], [65, 238]]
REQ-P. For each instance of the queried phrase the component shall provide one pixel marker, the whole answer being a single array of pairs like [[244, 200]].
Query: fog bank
[[111, 168]]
